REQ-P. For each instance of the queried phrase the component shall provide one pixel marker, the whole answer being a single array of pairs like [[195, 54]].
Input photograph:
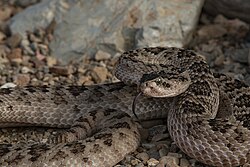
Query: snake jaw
[[164, 83], [168, 89], [151, 89]]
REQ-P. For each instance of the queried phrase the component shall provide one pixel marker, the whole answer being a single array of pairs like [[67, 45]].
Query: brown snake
[[207, 113]]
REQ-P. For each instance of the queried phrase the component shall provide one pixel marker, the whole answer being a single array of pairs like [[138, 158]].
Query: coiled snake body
[[207, 114]]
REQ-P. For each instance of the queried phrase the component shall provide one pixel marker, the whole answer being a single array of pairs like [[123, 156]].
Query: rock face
[[39, 15], [84, 27]]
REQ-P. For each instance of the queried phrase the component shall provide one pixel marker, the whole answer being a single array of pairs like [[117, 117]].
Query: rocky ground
[[225, 44]]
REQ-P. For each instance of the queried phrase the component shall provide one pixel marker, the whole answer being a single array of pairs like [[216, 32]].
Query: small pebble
[[101, 55], [163, 151], [34, 39], [83, 80], [8, 85], [184, 162], [4, 51], [169, 161], [51, 61], [140, 165], [148, 145], [212, 31], [34, 46], [5, 12], [152, 162], [61, 70], [22, 79], [15, 55], [143, 156], [26, 70], [2, 36], [14, 40], [219, 60], [99, 74]]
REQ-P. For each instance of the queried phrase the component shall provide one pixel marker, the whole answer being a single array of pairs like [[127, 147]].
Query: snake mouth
[[151, 89]]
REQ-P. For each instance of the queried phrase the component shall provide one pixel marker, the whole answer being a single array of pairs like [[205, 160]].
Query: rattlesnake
[[207, 114]]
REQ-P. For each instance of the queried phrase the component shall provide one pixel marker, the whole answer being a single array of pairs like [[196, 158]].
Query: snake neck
[[202, 96]]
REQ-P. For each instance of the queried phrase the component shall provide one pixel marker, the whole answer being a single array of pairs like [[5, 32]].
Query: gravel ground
[[225, 44]]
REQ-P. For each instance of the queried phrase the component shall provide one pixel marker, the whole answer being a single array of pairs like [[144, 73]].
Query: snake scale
[[207, 114]]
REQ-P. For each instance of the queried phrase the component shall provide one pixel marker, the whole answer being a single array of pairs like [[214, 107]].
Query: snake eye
[[158, 81]]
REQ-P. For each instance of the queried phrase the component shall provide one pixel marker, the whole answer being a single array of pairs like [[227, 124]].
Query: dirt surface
[[225, 44]]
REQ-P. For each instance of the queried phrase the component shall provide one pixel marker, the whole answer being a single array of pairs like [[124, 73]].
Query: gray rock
[[99, 26], [100, 55], [119, 26], [84, 27], [38, 15], [168, 23]]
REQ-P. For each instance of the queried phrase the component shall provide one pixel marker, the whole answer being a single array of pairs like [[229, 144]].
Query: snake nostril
[[146, 84], [151, 87]]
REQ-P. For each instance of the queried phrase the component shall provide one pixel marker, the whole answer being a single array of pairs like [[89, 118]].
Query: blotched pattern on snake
[[207, 114]]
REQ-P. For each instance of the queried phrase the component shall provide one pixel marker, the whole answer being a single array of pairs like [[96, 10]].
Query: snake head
[[164, 83]]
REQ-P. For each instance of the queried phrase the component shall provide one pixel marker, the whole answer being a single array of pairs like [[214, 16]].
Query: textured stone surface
[[168, 23], [38, 15], [112, 26]]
